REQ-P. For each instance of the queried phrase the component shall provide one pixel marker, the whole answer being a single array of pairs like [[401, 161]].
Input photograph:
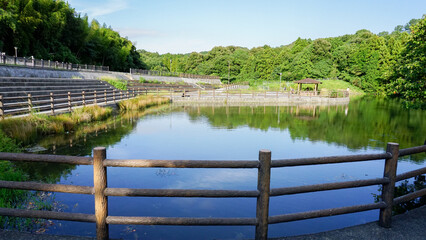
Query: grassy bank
[[327, 85], [25, 129], [141, 103]]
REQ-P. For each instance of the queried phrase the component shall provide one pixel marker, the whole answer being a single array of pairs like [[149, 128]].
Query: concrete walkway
[[408, 226]]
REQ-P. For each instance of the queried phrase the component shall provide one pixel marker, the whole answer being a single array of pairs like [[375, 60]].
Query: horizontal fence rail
[[171, 74], [240, 92], [53, 103], [40, 63], [263, 192]]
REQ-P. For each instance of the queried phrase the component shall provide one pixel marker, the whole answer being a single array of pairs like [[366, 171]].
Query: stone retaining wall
[[174, 79], [17, 71], [235, 100]]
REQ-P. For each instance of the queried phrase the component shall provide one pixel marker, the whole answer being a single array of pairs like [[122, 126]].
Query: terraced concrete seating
[[17, 86], [22, 95]]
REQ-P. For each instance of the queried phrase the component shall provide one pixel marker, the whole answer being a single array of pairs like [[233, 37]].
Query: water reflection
[[237, 133]]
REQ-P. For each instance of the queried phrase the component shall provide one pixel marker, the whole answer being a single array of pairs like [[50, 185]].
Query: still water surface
[[236, 133]]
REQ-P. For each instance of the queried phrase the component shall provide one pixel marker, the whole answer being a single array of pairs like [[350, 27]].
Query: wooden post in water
[[213, 93], [388, 189], [83, 98], [100, 184], [199, 93], [1, 107], [69, 102], [30, 103], [95, 98], [263, 186], [52, 104]]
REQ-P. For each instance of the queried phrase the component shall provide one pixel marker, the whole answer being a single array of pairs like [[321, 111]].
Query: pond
[[233, 133]]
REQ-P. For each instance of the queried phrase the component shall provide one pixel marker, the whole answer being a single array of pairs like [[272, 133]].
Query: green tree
[[409, 79]]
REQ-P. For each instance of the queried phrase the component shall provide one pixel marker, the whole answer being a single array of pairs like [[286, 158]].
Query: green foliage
[[409, 79], [27, 128], [117, 83], [141, 103], [376, 64], [52, 30]]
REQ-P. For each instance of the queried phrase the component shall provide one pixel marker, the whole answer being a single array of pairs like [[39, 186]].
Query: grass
[[141, 102], [117, 83], [27, 128], [339, 85]]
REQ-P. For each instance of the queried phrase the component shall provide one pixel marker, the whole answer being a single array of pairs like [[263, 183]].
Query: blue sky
[[184, 26]]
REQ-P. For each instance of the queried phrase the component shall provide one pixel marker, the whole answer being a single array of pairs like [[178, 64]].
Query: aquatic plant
[[141, 102], [27, 128]]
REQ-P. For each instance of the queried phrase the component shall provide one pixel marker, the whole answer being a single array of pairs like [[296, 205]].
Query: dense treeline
[[386, 63], [49, 29]]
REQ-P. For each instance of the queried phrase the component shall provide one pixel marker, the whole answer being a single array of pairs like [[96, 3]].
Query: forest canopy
[[52, 30], [390, 64]]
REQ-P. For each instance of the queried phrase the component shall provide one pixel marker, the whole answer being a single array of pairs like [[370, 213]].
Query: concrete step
[[31, 84], [44, 79], [48, 88], [38, 93], [18, 81]]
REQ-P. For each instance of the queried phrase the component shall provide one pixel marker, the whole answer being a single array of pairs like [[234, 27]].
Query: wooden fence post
[[1, 107], [213, 93], [100, 184], [30, 103], [84, 100], [105, 96], [127, 94], [199, 93], [95, 98], [121, 95], [52, 104], [69, 102], [263, 186], [113, 95], [388, 189]]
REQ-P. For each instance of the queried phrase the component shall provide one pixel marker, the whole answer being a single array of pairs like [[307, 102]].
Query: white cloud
[[138, 32], [107, 7]]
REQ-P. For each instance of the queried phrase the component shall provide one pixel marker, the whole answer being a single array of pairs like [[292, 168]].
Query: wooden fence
[[40, 63], [263, 193], [171, 74], [62, 102], [246, 94]]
